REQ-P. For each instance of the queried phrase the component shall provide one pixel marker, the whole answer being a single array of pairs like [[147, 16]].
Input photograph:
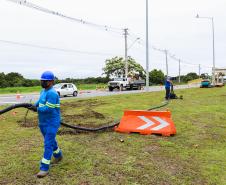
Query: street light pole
[[213, 52], [179, 71], [179, 62], [213, 69], [126, 50], [147, 49]]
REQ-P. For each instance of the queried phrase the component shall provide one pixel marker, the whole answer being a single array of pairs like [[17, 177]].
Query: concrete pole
[[179, 71], [126, 51], [147, 49], [214, 83], [166, 53]]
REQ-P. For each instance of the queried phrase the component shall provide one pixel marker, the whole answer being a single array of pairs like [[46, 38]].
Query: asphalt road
[[32, 97]]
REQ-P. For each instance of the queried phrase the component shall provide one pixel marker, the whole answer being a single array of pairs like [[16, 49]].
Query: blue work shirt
[[48, 107], [167, 84]]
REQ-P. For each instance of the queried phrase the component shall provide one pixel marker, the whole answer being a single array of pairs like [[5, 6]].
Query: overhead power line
[[45, 10], [187, 63], [54, 48]]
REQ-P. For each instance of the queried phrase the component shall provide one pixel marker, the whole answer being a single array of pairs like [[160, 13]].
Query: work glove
[[33, 108]]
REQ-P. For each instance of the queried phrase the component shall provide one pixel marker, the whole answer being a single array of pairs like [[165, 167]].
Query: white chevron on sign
[[148, 121], [162, 122]]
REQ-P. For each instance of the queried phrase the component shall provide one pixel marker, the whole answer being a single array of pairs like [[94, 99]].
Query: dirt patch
[[87, 114], [82, 103], [152, 149], [88, 119], [29, 122]]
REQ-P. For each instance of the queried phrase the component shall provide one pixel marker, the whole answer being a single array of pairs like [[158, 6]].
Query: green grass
[[13, 90], [36, 89], [91, 86], [195, 155]]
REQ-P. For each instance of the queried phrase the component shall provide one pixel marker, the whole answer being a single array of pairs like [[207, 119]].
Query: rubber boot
[[42, 174]]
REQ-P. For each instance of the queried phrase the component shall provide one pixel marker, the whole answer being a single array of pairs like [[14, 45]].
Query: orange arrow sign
[[147, 122]]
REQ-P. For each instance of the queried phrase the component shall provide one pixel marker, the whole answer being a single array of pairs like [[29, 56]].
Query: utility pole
[[199, 70], [214, 82], [147, 49], [126, 51], [166, 53], [179, 71]]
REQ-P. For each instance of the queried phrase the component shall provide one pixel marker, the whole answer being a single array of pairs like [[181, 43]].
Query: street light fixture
[[126, 51], [133, 43], [213, 69]]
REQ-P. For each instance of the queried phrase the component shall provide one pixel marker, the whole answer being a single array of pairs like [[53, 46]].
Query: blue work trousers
[[50, 145], [167, 97]]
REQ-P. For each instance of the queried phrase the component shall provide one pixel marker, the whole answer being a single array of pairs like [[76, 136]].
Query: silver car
[[65, 89]]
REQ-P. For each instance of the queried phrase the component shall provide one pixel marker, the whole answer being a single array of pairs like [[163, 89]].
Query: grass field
[[195, 155], [13, 90]]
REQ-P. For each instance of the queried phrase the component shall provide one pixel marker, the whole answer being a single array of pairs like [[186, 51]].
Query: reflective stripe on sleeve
[[41, 105], [57, 105], [52, 105]]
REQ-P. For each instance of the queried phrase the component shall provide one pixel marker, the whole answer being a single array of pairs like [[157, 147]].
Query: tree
[[3, 82], [156, 77], [27, 83], [14, 79], [204, 76], [116, 67]]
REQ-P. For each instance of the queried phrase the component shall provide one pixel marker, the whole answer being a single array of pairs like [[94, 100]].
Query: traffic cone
[[18, 95]]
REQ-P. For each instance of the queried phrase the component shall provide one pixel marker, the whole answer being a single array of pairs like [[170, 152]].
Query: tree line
[[114, 67], [15, 79]]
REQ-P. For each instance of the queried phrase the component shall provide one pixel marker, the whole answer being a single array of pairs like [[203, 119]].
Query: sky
[[172, 26]]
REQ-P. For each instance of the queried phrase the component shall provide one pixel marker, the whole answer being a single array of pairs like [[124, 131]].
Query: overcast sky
[[173, 26]]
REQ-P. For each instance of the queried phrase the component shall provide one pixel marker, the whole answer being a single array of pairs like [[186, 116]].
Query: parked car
[[65, 89]]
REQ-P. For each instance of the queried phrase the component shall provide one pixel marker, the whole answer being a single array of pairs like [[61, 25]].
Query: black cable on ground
[[76, 127], [160, 106], [102, 128], [19, 105]]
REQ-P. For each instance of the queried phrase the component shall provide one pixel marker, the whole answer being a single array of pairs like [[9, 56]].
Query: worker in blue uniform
[[48, 108], [168, 86]]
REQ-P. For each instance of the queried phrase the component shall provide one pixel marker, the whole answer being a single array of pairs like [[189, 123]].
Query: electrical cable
[[53, 48], [76, 127], [15, 106], [45, 10]]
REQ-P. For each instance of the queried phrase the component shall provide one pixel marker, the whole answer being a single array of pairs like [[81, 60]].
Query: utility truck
[[125, 84]]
